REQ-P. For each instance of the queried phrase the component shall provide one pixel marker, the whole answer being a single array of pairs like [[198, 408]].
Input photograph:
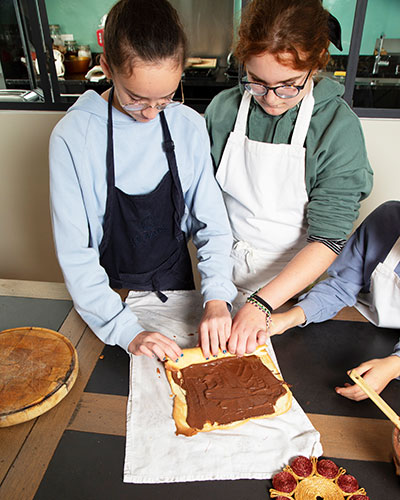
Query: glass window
[[15, 77], [343, 10], [19, 69], [35, 72], [377, 82]]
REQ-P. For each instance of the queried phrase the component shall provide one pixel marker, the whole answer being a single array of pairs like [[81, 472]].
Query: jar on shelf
[[55, 33], [84, 51], [71, 49], [77, 60]]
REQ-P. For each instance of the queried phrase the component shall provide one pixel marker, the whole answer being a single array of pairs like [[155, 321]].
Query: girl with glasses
[[290, 159], [132, 180]]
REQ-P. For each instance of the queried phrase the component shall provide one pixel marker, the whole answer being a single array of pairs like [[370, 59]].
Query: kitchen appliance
[[95, 74], [232, 70], [59, 62], [201, 67]]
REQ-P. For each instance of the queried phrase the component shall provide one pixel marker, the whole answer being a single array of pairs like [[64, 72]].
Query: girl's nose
[[150, 113], [271, 99]]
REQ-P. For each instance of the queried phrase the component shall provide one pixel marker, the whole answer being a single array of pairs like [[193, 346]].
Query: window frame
[[37, 14], [34, 12], [352, 66]]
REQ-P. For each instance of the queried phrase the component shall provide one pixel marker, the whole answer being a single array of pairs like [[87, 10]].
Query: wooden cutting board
[[38, 367]]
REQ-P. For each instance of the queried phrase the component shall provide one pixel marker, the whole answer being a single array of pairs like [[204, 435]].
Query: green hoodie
[[338, 174]]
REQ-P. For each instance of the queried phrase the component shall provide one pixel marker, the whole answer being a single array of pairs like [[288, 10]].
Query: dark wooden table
[[76, 450]]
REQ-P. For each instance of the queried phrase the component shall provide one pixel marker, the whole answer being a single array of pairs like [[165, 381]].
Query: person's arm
[[280, 322], [300, 272], [396, 350], [350, 273], [211, 234], [77, 251], [249, 325], [328, 297]]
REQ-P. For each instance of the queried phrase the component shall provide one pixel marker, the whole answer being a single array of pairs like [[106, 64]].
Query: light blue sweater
[[78, 193], [351, 272]]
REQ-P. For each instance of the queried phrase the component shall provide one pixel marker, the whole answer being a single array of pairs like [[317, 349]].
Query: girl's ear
[[105, 67]]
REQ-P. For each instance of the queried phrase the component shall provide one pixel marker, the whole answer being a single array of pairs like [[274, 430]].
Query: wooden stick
[[374, 396]]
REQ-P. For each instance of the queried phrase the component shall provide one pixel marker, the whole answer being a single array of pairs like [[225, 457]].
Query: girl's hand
[[249, 330], [377, 373], [153, 344], [280, 322], [215, 327]]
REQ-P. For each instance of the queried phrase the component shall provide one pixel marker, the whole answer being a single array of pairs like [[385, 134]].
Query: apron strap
[[393, 257], [303, 118], [156, 288], [110, 176], [179, 203], [110, 143], [241, 118]]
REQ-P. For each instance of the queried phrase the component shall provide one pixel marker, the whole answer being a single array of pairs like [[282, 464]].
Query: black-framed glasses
[[139, 105], [282, 91]]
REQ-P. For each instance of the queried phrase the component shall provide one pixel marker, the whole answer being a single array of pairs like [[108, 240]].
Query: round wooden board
[[38, 367]]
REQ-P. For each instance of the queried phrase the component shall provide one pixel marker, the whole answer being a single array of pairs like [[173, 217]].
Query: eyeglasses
[[139, 105], [282, 91]]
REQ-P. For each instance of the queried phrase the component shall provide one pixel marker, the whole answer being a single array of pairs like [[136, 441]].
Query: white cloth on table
[[154, 454]]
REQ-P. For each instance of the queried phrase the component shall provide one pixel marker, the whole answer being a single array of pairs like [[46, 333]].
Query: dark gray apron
[[143, 245]]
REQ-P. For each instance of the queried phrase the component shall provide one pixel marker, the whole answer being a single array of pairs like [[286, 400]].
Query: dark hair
[[299, 28], [149, 30]]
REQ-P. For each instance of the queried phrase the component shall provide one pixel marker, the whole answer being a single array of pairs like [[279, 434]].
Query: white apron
[[266, 198], [382, 305]]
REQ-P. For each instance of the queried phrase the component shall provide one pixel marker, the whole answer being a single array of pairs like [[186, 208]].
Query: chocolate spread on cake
[[228, 390]]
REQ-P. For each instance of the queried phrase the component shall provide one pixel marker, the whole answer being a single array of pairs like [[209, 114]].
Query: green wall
[[383, 16], [81, 18], [343, 10]]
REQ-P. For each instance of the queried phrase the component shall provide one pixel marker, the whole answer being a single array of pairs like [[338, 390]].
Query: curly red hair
[[282, 27]]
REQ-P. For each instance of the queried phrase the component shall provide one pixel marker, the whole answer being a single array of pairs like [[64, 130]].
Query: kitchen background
[[207, 19], [26, 247], [211, 26], [208, 23]]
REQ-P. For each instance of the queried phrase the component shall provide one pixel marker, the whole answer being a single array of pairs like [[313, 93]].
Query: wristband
[[252, 300], [262, 301]]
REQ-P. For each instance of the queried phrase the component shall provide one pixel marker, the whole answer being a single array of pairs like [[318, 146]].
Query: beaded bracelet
[[262, 301], [254, 299]]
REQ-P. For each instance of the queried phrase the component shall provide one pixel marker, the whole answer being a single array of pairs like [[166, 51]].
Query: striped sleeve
[[336, 245]]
